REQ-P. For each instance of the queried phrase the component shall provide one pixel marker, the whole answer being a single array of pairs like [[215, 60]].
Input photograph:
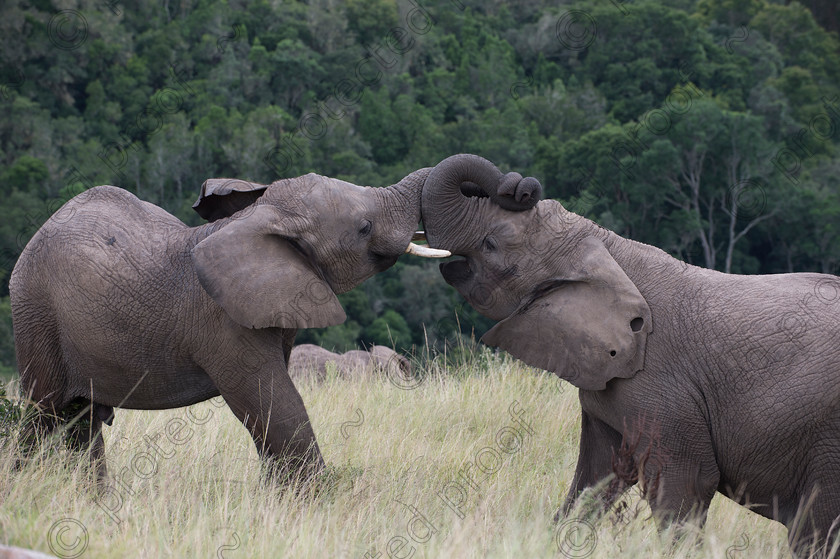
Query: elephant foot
[[297, 470]]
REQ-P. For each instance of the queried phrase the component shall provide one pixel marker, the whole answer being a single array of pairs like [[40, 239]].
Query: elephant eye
[[489, 244], [364, 230]]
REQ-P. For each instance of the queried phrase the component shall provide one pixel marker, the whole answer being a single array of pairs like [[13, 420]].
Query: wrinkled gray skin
[[740, 375], [309, 362], [118, 303]]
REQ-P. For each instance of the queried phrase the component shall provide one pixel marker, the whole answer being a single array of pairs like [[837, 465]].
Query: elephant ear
[[253, 270], [588, 329], [224, 197]]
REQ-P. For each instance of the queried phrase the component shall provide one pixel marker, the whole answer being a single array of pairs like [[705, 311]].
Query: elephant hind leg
[[44, 373], [37, 427], [43, 377], [84, 432]]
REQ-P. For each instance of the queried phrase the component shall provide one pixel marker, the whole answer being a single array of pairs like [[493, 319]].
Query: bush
[[390, 330], [7, 341]]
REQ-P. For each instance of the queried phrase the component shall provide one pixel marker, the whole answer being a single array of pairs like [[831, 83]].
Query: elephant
[[118, 304], [309, 361], [691, 382]]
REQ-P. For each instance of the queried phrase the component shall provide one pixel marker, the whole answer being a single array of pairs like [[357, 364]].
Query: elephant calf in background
[[691, 381], [309, 361], [117, 303]]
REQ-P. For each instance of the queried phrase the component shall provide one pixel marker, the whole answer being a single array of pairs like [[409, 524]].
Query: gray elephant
[[309, 362], [117, 303], [701, 381]]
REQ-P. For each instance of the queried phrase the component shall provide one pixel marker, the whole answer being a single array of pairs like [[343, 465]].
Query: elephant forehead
[[546, 240], [341, 198], [312, 188], [505, 224]]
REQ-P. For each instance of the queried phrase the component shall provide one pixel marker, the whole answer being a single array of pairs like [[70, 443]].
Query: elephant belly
[[131, 367], [149, 388], [763, 481], [772, 471]]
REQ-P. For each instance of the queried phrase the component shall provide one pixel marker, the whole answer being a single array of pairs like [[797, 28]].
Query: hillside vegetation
[[708, 128]]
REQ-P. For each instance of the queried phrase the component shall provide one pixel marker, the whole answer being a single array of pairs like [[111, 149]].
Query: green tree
[[382, 127], [371, 20], [8, 365], [800, 40], [390, 330], [27, 174], [731, 12]]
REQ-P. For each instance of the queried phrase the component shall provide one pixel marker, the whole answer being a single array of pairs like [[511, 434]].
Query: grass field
[[394, 487]]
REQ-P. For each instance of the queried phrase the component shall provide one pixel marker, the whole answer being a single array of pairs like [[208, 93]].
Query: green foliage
[[7, 345], [390, 330], [11, 413], [371, 20], [731, 12], [26, 174], [339, 338], [19, 428], [802, 42], [381, 127]]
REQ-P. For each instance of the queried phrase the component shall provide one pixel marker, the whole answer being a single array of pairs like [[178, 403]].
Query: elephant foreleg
[[685, 498], [272, 410], [288, 341], [598, 441], [686, 484]]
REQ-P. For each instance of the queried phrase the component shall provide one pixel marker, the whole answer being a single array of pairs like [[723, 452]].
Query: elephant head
[[563, 302], [280, 253]]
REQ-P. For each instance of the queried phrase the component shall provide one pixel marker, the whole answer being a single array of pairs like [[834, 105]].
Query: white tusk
[[426, 252]]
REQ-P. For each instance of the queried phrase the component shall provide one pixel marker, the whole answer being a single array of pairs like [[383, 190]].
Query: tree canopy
[[706, 127]]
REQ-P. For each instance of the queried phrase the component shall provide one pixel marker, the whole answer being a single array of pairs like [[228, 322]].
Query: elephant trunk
[[451, 193], [400, 205]]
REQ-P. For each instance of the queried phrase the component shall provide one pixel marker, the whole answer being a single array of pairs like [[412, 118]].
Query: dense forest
[[708, 128]]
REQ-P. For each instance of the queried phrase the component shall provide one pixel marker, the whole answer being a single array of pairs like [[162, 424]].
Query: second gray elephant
[[692, 382], [310, 362]]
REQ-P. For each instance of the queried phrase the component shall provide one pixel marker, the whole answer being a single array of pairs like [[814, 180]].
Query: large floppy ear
[[224, 197], [588, 329], [256, 274]]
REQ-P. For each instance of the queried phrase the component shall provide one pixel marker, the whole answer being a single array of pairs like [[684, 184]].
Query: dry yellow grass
[[395, 457]]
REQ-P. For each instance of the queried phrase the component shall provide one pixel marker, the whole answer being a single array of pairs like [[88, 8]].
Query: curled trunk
[[452, 194]]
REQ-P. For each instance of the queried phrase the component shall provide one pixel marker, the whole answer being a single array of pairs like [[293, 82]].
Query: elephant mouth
[[382, 262], [456, 272]]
